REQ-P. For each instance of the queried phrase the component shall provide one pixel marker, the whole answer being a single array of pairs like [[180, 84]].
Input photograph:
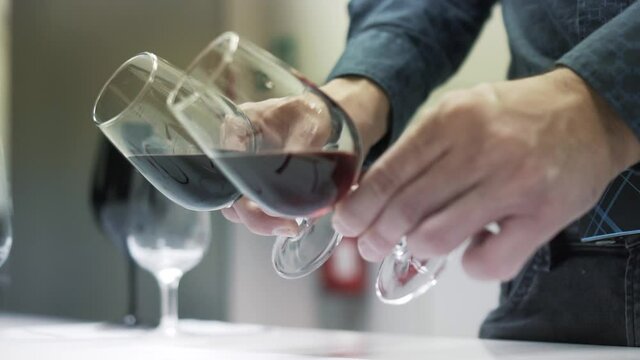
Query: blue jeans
[[573, 292]]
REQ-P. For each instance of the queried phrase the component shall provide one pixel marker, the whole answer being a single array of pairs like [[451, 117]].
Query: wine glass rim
[[231, 37], [152, 74]]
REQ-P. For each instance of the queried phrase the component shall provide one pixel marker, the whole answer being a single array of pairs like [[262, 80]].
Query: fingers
[[500, 256], [403, 162], [442, 232], [411, 205], [259, 222]]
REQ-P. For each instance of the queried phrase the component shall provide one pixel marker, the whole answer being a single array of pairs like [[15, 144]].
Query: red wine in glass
[[192, 181], [294, 184]]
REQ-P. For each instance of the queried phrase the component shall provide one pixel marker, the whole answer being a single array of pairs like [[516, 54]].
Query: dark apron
[[584, 286]]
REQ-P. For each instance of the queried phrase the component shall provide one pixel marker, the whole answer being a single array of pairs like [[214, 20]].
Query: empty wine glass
[[131, 111], [109, 198], [6, 209], [167, 240], [308, 154], [403, 277]]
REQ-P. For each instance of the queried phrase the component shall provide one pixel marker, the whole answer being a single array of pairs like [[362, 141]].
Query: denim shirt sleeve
[[408, 47], [609, 61]]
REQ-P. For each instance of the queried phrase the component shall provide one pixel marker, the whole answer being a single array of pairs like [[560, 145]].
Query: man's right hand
[[277, 122]]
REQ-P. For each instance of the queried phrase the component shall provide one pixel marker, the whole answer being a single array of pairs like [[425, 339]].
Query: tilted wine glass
[[308, 154], [131, 111]]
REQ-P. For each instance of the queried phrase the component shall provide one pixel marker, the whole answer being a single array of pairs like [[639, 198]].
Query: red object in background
[[345, 272]]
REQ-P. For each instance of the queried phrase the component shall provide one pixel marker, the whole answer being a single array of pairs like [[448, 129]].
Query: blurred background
[[54, 57]]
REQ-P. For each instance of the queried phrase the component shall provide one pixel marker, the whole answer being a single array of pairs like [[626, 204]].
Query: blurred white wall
[[458, 304]]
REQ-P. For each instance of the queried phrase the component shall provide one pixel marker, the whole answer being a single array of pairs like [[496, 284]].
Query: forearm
[[366, 104], [407, 48]]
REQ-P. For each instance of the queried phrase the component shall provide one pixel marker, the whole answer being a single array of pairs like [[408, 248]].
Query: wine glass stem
[[169, 303], [303, 226], [400, 250]]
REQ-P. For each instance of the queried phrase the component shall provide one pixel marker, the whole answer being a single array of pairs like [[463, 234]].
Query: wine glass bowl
[[131, 111], [307, 152]]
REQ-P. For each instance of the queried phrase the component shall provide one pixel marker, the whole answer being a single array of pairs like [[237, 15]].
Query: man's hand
[[293, 123], [532, 155]]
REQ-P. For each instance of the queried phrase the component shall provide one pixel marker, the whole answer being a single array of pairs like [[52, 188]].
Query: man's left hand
[[531, 155]]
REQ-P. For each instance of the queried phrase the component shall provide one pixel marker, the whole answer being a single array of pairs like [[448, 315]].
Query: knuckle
[[466, 111], [378, 241], [485, 91], [455, 106], [382, 182], [398, 217], [351, 221], [294, 105]]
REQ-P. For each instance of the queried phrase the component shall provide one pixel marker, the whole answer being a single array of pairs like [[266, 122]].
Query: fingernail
[[284, 231]]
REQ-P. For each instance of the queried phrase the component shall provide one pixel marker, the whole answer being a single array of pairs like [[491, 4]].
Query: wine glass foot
[[401, 280], [296, 257]]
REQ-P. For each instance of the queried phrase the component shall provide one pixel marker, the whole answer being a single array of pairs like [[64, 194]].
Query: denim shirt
[[409, 47]]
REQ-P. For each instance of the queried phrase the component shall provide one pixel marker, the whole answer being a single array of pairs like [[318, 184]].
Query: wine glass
[[131, 111], [167, 240], [403, 277], [6, 209], [307, 153], [109, 198]]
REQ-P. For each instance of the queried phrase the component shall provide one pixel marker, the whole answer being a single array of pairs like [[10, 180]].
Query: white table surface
[[23, 338]]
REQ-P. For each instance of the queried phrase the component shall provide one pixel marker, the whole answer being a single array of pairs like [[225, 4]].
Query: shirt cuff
[[609, 61]]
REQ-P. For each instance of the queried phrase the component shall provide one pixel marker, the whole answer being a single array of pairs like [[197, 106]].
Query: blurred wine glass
[[109, 201], [131, 111], [167, 240], [6, 209], [6, 215]]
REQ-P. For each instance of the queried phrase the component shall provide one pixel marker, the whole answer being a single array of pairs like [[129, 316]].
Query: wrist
[[366, 104], [622, 143]]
